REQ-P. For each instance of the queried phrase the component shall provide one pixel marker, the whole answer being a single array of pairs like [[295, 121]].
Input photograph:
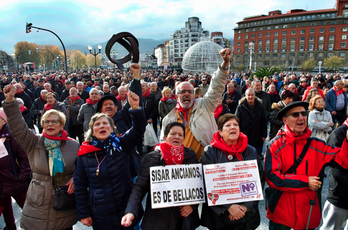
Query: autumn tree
[[78, 60], [333, 62], [309, 64], [26, 52], [91, 61]]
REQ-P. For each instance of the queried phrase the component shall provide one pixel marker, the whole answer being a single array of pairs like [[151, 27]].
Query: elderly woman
[[230, 145], [14, 173], [164, 218], [103, 180], [52, 103], [52, 156], [166, 104], [319, 119], [312, 93]]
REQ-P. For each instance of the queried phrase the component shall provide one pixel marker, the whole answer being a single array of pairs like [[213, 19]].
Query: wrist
[[9, 99]]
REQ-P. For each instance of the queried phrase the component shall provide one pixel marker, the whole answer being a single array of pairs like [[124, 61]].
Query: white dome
[[202, 57]]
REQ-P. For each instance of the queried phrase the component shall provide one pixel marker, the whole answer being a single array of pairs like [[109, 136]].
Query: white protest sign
[[232, 182], [176, 185]]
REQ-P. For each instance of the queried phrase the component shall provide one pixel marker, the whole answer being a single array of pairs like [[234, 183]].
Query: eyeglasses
[[183, 91], [54, 122], [297, 114]]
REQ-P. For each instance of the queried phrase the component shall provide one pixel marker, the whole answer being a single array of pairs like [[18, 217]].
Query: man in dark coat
[[231, 98], [256, 85], [38, 89], [65, 92], [83, 94], [27, 91], [150, 107], [22, 95], [252, 120], [37, 108], [273, 94]]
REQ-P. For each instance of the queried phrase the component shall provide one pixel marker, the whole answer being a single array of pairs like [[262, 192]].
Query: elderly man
[[314, 84], [252, 121], [292, 88], [266, 104], [122, 95], [231, 97], [273, 94], [83, 94], [293, 163], [336, 102], [47, 86], [204, 86], [88, 109], [302, 87], [37, 108], [73, 104], [198, 114], [22, 95], [66, 92], [106, 90]]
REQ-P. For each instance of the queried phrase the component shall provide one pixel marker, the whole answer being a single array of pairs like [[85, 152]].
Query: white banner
[[176, 185], [232, 182]]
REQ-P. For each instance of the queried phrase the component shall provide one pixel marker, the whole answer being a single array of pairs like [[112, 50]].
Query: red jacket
[[305, 94], [293, 207]]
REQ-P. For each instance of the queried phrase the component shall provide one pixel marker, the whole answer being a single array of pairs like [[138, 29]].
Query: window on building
[[260, 42], [301, 47], [310, 47], [246, 36], [260, 35], [238, 37], [310, 55], [283, 48], [344, 36], [312, 24], [275, 55], [261, 28], [253, 29], [275, 40], [238, 43], [267, 49], [320, 54], [238, 57], [342, 54], [268, 27], [332, 22], [284, 32], [321, 30], [283, 39], [259, 49], [293, 32], [311, 31], [292, 55], [266, 63], [320, 46], [246, 42], [259, 56], [268, 34], [343, 44], [321, 38], [247, 30], [332, 29], [238, 49], [345, 29], [283, 55], [275, 33], [329, 54], [266, 55], [311, 38], [302, 31], [267, 41], [292, 47], [302, 39], [285, 26], [332, 37], [276, 27], [253, 35], [300, 55], [275, 48], [292, 39]]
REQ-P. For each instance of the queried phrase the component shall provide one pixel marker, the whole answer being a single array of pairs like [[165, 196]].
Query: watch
[[223, 68]]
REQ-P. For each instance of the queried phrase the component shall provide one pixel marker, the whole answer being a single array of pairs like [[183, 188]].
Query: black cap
[[109, 97], [282, 112]]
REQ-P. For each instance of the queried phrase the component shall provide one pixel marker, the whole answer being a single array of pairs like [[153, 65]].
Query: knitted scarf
[[55, 158], [234, 150]]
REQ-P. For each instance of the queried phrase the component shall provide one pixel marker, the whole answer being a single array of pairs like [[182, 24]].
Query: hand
[[149, 121], [226, 55], [9, 92], [186, 210], [127, 219], [313, 183], [236, 212], [87, 221], [135, 68], [332, 124], [229, 101], [334, 113], [133, 100], [71, 188]]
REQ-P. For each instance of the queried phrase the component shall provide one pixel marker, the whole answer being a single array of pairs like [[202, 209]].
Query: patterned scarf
[[110, 145], [55, 158], [172, 155]]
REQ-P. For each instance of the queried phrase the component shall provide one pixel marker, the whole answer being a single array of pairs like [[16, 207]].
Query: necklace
[[97, 171]]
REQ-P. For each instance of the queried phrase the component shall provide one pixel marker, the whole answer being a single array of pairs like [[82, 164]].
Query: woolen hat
[[282, 112]]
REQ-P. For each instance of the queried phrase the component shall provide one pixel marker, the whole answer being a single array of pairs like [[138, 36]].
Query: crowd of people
[[85, 129]]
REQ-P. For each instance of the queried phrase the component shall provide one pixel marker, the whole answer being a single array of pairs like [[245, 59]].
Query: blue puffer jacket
[[104, 197]]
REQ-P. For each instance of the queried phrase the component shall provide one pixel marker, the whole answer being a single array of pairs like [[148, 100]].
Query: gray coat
[[37, 212], [85, 114]]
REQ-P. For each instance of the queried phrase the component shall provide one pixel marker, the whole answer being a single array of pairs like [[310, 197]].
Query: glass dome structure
[[202, 57]]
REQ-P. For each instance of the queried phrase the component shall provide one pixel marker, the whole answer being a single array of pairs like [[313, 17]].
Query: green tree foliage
[[309, 64], [77, 59], [266, 71], [333, 62], [91, 60]]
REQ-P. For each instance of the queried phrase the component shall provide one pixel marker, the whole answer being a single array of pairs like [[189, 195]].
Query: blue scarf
[[110, 145], [56, 161]]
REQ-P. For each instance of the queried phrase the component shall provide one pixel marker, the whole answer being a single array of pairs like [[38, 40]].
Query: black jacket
[[235, 97], [26, 99], [266, 104], [275, 123], [28, 118], [253, 125], [150, 107], [338, 179], [37, 106], [163, 218], [84, 95], [215, 216]]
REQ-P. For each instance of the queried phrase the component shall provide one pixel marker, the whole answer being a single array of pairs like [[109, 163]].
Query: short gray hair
[[94, 118]]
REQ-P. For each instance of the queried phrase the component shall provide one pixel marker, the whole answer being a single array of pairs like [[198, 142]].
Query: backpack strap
[[300, 158]]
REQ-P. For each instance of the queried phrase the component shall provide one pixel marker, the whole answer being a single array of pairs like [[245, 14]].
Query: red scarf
[[41, 99], [230, 93], [234, 150], [86, 147], [172, 155], [185, 111], [148, 92], [346, 122], [73, 99], [304, 85], [275, 92], [165, 98], [119, 98], [337, 92], [48, 107], [218, 111], [63, 137], [291, 137], [23, 108], [19, 92], [89, 101]]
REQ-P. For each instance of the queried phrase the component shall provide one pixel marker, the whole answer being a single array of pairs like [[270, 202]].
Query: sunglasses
[[297, 114]]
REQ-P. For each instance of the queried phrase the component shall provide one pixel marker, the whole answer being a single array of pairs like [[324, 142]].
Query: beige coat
[[38, 212]]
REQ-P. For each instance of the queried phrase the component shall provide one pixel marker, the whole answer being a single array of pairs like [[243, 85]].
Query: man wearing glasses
[[198, 114], [299, 184]]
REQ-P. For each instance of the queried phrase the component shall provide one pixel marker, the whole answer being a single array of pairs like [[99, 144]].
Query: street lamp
[[320, 62], [95, 53], [251, 47]]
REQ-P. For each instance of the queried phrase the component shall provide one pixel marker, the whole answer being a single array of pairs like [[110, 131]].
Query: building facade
[[184, 38], [290, 39]]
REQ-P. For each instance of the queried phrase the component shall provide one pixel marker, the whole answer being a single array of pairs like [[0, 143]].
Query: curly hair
[[313, 100]]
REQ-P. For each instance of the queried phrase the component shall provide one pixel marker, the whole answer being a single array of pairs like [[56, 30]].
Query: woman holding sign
[[230, 145], [169, 152]]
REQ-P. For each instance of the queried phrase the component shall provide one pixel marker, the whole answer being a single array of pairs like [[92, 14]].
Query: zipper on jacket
[[295, 155], [307, 167]]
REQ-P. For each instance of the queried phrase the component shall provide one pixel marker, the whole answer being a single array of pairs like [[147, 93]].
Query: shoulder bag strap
[[300, 158]]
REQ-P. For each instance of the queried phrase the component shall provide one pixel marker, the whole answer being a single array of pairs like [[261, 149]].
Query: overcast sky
[[95, 21]]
